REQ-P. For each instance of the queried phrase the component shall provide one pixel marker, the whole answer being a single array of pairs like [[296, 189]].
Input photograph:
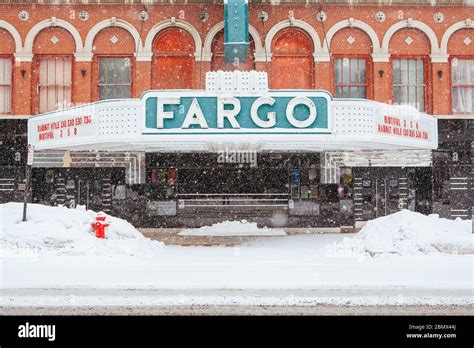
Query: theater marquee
[[238, 110], [195, 112]]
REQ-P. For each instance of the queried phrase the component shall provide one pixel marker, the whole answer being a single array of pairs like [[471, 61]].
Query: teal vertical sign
[[236, 30]]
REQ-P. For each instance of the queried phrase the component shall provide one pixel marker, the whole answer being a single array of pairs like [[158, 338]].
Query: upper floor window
[[350, 80], [55, 79], [409, 82], [5, 85], [115, 78], [462, 82], [292, 60]]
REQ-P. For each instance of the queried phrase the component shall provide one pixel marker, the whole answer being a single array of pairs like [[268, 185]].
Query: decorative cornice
[[23, 57]]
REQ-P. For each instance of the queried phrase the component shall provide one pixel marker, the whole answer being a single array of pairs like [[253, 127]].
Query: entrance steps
[[170, 236]]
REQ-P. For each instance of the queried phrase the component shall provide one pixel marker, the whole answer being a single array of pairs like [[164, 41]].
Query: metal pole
[[27, 189], [29, 165]]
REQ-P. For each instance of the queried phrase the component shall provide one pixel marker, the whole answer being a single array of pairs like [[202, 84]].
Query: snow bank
[[233, 228], [407, 232], [67, 231]]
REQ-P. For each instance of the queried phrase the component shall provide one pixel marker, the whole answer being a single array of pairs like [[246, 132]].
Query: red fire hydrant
[[99, 225]]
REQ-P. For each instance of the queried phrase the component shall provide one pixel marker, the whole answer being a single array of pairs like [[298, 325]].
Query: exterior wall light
[[440, 73], [23, 73], [381, 72], [83, 72]]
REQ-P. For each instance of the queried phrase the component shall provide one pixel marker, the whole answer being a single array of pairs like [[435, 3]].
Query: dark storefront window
[[115, 80], [350, 78], [5, 85], [409, 82], [462, 81], [13, 143]]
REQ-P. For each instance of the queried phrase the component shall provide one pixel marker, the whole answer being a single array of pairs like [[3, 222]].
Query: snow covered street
[[294, 270], [322, 301]]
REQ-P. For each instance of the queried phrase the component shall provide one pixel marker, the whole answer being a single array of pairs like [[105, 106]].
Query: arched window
[[350, 52], [7, 49], [173, 60], [409, 52], [292, 60], [462, 71], [218, 63], [53, 51], [114, 50]]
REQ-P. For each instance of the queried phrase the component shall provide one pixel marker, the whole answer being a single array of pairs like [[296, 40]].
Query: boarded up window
[[292, 60], [173, 60]]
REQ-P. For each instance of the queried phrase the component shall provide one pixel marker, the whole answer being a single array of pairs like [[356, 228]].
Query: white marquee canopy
[[236, 110]]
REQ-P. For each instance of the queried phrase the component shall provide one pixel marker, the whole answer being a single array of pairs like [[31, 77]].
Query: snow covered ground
[[233, 228], [409, 233], [61, 231], [409, 254]]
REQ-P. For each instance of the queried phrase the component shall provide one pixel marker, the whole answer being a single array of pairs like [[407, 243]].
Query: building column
[[440, 89], [263, 66], [202, 67], [22, 88], [142, 78], [382, 77], [82, 89], [323, 78]]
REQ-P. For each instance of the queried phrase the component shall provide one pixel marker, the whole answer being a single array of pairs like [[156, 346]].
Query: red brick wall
[[318, 73], [420, 44], [103, 43], [361, 44], [7, 45], [44, 45], [456, 45]]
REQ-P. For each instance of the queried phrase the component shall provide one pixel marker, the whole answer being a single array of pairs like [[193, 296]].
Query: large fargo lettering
[[275, 112]]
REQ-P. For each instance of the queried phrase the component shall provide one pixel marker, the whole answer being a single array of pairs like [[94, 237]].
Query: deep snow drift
[[233, 228], [71, 257], [60, 230], [407, 232]]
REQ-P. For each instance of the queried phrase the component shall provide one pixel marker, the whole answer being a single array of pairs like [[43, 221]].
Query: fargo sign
[[198, 112]]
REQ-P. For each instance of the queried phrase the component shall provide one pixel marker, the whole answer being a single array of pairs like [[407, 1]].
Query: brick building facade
[[56, 54], [174, 48]]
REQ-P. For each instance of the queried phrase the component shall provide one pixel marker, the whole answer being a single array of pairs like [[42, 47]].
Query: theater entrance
[[92, 188], [235, 189], [385, 190], [198, 189]]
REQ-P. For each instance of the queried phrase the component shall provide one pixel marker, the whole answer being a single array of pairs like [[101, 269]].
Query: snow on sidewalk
[[233, 229], [62, 252], [224, 297], [63, 231], [409, 233]]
